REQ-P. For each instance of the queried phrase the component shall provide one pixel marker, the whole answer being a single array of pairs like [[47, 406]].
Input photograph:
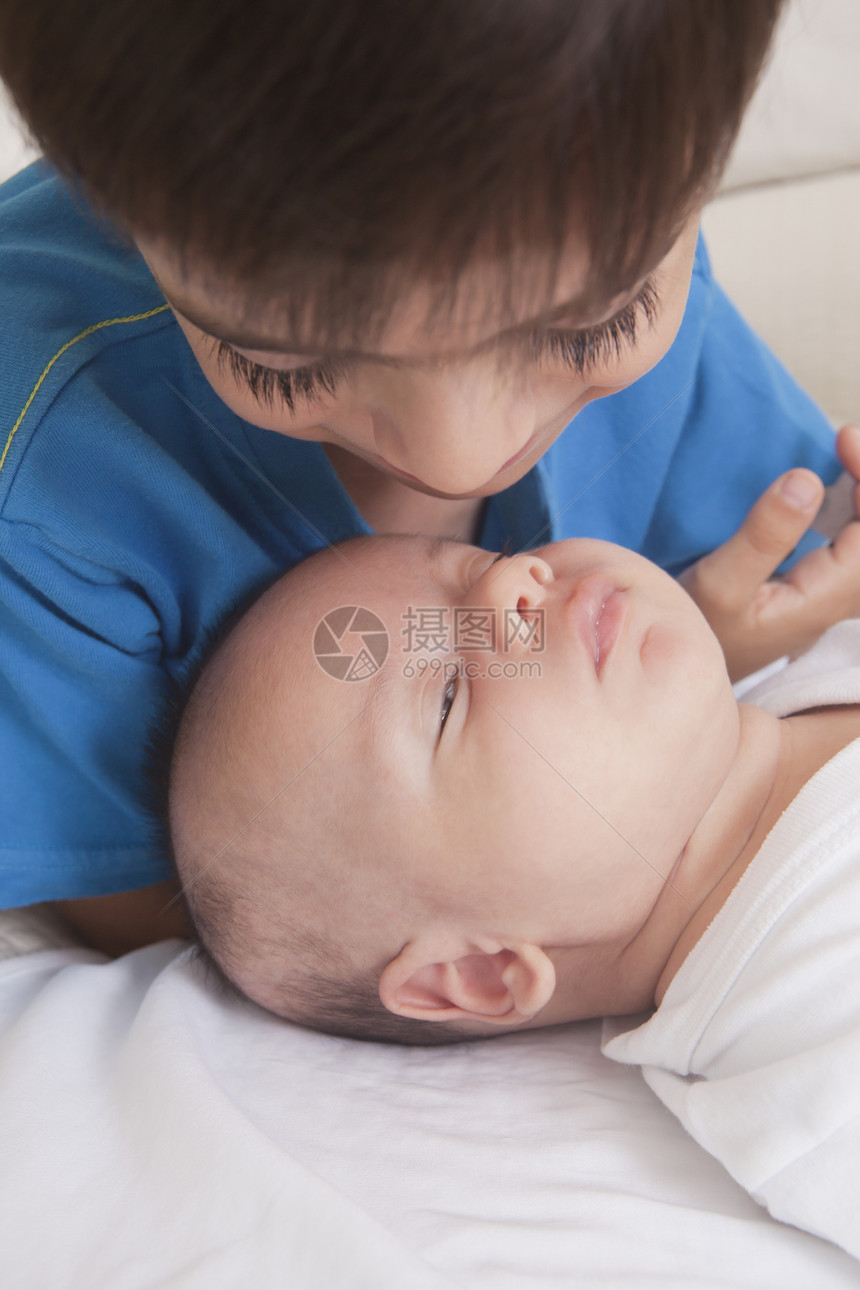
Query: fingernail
[[799, 490]]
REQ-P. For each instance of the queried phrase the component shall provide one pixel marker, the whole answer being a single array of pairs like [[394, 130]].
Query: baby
[[526, 813], [425, 793]]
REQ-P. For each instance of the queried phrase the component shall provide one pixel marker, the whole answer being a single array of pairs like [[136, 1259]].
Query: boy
[[315, 271], [526, 827]]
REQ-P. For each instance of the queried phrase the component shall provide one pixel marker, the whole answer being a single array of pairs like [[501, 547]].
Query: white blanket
[[155, 1133]]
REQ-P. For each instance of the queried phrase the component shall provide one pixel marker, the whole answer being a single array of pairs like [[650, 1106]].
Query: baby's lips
[[598, 607]]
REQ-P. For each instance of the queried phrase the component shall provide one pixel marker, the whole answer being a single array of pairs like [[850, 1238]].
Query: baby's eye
[[449, 694]]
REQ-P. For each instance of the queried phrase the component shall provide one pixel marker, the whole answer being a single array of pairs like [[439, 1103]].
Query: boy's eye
[[265, 383], [449, 694], [583, 350]]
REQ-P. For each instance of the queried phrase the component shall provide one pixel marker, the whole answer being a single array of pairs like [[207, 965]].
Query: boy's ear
[[502, 985]]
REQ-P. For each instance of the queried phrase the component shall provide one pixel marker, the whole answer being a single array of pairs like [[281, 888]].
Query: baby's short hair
[[301, 973], [321, 989]]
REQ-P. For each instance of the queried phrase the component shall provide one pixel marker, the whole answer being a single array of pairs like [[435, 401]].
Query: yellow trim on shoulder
[[108, 322]]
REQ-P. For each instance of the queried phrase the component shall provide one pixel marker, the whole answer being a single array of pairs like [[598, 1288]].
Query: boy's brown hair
[[320, 152]]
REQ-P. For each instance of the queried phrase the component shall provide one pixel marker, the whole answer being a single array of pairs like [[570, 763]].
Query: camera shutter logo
[[351, 643]]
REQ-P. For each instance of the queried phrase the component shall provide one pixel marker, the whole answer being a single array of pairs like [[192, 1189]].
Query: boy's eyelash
[[581, 350], [291, 384]]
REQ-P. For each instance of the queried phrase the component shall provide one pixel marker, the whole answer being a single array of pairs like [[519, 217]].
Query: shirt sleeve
[[136, 513], [125, 539], [80, 683], [80, 633], [746, 421]]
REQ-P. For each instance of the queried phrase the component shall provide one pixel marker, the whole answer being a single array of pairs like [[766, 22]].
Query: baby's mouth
[[599, 608], [607, 626]]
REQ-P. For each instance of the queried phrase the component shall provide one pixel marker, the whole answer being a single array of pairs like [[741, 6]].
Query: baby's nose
[[515, 582], [511, 593]]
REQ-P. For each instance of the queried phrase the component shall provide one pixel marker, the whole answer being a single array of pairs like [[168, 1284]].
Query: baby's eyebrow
[[382, 708], [439, 545], [378, 715]]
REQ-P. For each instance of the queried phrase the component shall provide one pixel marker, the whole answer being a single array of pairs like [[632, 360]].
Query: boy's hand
[[758, 618]]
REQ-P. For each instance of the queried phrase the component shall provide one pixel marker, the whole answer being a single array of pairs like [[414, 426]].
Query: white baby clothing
[[756, 1044]]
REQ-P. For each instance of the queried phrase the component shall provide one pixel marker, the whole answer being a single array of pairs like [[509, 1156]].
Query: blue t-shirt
[[136, 509]]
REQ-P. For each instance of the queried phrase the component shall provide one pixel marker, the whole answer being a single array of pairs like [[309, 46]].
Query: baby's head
[[422, 792]]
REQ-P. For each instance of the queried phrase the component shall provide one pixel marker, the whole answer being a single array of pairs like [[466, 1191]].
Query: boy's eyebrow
[[568, 313]]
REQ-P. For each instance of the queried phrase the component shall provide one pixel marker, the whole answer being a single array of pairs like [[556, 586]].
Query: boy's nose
[[452, 430]]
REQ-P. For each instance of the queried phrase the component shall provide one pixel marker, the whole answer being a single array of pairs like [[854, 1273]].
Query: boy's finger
[[838, 508], [842, 499], [828, 581], [730, 576], [848, 449]]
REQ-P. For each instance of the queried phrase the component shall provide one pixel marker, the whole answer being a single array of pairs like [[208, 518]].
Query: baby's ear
[[502, 985]]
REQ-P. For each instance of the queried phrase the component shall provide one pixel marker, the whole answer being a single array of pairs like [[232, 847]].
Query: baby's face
[[545, 733]]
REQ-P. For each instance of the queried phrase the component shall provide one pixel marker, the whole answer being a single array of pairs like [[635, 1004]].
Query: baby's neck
[[775, 759]]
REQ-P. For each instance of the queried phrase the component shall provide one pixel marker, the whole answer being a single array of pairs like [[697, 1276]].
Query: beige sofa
[[784, 233]]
